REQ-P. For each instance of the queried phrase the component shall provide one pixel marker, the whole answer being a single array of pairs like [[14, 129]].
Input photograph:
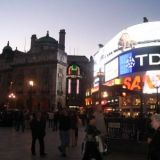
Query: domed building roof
[[7, 48], [47, 39]]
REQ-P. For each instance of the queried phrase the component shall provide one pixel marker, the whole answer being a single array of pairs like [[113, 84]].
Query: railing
[[127, 128]]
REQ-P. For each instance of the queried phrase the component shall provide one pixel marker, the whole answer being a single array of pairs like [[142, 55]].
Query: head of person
[[64, 112], [38, 115], [155, 121], [92, 120], [99, 108]]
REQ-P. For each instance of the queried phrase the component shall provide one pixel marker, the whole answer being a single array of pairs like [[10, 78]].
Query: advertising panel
[[137, 36], [126, 63], [133, 51], [140, 59], [111, 70], [144, 81], [152, 82]]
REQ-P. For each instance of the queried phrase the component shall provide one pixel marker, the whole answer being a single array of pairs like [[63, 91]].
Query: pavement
[[16, 146]]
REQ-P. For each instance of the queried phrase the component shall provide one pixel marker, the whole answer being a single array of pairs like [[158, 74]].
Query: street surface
[[16, 146]]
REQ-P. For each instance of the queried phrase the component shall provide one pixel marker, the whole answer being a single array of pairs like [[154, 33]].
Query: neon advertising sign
[[146, 81]]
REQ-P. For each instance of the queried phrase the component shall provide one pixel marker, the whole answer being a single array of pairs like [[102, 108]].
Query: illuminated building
[[133, 57], [79, 78]]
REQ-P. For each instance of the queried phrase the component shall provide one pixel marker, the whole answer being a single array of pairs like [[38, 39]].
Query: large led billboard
[[137, 36], [132, 51], [126, 63], [143, 81], [111, 69], [152, 82], [139, 59]]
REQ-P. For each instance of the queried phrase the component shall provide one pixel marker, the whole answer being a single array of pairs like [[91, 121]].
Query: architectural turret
[[62, 39], [33, 39]]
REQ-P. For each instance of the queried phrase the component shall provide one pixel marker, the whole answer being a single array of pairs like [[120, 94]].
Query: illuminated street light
[[12, 99], [105, 94], [12, 96], [31, 84]]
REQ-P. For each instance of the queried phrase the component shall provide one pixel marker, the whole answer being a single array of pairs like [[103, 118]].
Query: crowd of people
[[66, 123]]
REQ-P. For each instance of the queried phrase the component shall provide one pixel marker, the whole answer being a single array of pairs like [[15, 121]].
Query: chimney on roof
[[62, 39], [100, 45], [33, 39], [145, 19]]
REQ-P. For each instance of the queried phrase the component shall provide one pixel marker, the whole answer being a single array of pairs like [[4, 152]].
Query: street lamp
[[100, 75], [141, 100], [12, 97], [157, 107], [156, 85], [31, 84]]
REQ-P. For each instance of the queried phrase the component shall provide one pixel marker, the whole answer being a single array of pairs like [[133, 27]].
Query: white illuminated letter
[[141, 58], [151, 59]]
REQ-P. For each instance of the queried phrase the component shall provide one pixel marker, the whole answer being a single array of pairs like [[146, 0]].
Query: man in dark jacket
[[155, 141], [64, 126], [38, 125], [91, 146]]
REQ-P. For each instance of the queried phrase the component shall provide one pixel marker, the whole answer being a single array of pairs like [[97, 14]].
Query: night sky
[[87, 22]]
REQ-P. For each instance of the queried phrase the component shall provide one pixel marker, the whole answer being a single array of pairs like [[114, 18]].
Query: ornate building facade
[[36, 79], [79, 78]]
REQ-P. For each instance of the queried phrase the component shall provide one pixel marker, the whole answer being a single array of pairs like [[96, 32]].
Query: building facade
[[79, 78], [36, 79], [131, 59]]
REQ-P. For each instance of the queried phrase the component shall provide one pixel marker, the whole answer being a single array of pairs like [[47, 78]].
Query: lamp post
[[31, 84], [100, 75], [156, 85], [12, 97], [157, 107], [142, 100]]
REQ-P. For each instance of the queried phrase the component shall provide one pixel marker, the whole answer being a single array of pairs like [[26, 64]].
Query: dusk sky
[[87, 22]]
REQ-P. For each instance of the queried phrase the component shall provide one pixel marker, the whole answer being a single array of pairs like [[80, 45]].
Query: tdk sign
[[141, 59], [153, 59]]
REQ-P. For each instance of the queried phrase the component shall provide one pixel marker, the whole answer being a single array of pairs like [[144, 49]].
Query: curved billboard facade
[[133, 51]]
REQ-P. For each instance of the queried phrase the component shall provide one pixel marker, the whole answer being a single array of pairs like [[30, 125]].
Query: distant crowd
[[66, 123]]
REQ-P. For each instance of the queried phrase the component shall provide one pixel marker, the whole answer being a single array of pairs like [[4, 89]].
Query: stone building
[[43, 67]]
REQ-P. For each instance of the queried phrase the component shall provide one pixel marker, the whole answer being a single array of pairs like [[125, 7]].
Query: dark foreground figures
[[38, 125]]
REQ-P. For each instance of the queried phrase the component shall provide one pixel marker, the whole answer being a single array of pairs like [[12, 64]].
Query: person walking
[[64, 127], [74, 120], [38, 125], [50, 119], [91, 147], [55, 120], [101, 126], [154, 149], [20, 121]]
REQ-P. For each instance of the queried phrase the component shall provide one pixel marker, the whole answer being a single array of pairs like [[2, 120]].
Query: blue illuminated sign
[[126, 63]]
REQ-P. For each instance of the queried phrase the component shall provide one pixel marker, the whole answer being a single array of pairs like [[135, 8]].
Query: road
[[16, 146]]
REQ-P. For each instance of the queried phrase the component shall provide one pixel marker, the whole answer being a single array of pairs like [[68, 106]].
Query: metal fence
[[127, 128]]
